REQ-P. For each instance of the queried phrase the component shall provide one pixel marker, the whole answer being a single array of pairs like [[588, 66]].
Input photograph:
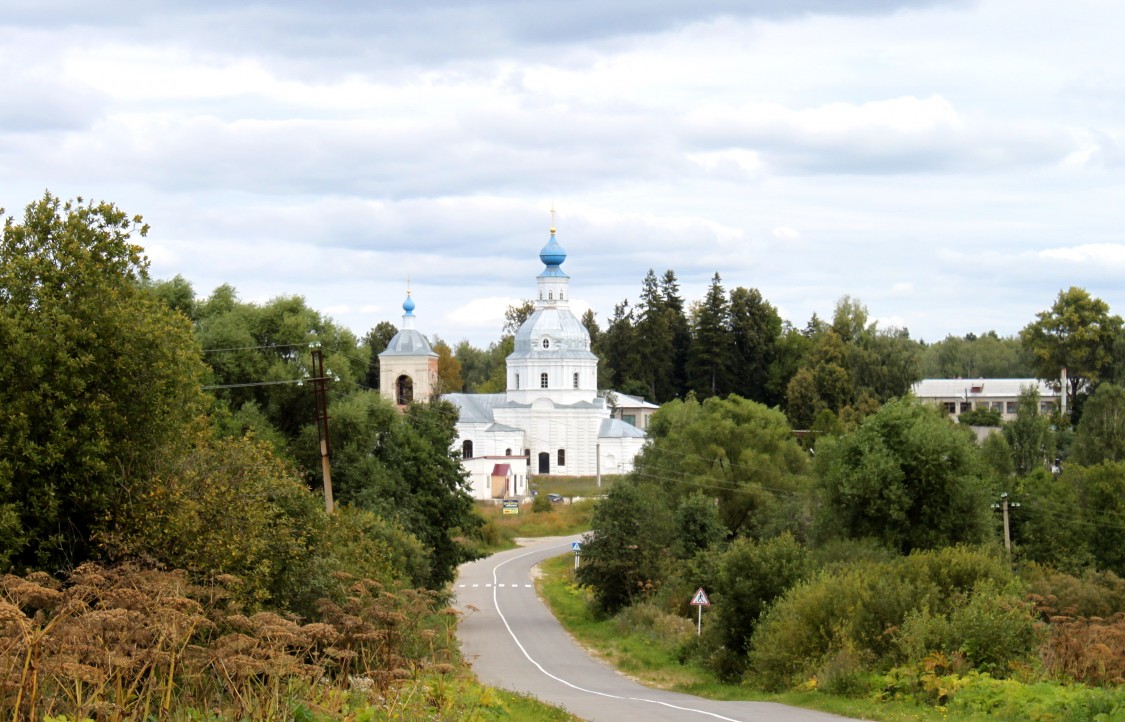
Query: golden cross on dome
[[552, 219]]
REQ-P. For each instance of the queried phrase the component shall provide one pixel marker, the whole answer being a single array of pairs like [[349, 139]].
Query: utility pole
[[1005, 506], [598, 461], [320, 397]]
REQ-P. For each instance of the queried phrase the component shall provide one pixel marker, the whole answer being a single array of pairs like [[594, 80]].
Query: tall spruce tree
[[654, 334], [710, 354], [681, 330], [620, 350], [755, 328]]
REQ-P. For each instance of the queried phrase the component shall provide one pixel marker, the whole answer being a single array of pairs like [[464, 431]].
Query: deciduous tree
[[737, 451], [626, 554], [449, 369], [906, 477], [1101, 431], [98, 379], [376, 341], [1078, 334], [1029, 434]]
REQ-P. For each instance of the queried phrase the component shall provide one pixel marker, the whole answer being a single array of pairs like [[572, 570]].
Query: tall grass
[[500, 530], [573, 486]]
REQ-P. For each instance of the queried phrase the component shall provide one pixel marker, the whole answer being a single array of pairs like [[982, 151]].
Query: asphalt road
[[514, 642]]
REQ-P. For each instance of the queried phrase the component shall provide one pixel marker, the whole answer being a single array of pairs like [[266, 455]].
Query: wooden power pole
[[320, 397], [1005, 506]]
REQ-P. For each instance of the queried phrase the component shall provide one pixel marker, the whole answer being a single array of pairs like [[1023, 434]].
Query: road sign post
[[699, 601], [577, 547]]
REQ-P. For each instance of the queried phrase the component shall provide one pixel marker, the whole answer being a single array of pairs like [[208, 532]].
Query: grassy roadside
[[572, 487], [474, 702], [649, 647], [500, 530]]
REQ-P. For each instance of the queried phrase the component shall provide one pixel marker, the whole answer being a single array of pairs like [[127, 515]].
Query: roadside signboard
[[699, 601], [576, 547], [511, 506]]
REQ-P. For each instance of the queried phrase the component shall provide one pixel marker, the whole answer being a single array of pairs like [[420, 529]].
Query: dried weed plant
[[128, 643], [1087, 649]]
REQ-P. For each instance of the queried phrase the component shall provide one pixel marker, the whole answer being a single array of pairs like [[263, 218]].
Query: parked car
[[556, 498]]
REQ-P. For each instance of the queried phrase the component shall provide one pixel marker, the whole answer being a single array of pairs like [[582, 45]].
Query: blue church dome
[[408, 305], [552, 253]]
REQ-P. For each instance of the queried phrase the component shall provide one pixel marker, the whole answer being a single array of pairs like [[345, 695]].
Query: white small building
[[633, 410], [956, 396], [497, 477]]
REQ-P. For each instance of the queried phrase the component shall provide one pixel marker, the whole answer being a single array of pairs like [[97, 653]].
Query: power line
[[255, 348], [253, 383]]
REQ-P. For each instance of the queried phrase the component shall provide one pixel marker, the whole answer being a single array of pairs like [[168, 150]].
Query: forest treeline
[[828, 372]]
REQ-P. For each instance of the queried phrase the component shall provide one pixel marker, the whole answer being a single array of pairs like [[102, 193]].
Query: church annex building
[[550, 420]]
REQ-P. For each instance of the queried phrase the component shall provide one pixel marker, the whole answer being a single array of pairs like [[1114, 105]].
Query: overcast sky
[[952, 165]]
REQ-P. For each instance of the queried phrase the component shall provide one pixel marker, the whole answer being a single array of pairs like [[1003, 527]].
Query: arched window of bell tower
[[404, 390]]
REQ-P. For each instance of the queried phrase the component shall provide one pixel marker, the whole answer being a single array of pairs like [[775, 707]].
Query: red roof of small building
[[501, 470]]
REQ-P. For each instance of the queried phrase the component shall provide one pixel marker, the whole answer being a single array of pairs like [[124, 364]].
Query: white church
[[551, 419]]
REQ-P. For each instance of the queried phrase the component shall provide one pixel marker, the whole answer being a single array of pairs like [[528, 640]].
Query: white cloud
[[1101, 255], [954, 163], [482, 313]]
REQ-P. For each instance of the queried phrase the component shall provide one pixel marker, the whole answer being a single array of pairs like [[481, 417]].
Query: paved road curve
[[513, 642]]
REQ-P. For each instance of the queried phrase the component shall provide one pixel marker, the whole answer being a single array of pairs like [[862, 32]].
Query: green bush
[[649, 620], [230, 506], [981, 417], [751, 575], [992, 632], [845, 673], [955, 571], [863, 606], [541, 504], [367, 546], [808, 623]]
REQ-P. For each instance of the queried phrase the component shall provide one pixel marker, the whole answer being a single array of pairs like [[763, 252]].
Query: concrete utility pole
[[1004, 506], [598, 462], [320, 397]]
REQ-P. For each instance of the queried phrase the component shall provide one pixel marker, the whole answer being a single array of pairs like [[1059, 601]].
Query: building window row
[[1004, 407]]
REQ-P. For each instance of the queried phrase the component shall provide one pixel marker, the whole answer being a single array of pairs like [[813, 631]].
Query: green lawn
[[572, 486]]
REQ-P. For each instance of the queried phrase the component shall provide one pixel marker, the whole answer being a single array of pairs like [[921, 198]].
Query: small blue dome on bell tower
[[408, 305]]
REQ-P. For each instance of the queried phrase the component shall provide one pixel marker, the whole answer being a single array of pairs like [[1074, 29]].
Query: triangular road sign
[[700, 599], [576, 546]]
